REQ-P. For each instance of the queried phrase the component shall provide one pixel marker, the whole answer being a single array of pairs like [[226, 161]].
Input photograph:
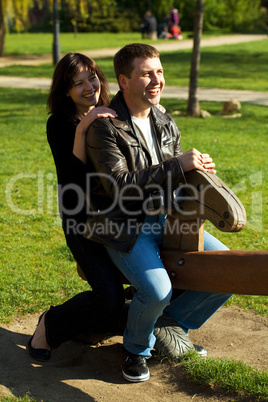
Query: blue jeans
[[145, 270]]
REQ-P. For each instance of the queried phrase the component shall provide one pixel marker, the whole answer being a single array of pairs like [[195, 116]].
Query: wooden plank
[[183, 235], [228, 271]]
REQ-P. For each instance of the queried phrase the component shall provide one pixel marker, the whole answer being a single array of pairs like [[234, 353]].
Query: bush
[[121, 23], [234, 15], [127, 15], [229, 15]]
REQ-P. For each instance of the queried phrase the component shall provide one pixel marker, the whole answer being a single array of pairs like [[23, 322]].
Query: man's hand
[[193, 159]]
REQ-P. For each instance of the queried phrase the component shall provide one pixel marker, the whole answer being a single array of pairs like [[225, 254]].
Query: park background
[[37, 269]]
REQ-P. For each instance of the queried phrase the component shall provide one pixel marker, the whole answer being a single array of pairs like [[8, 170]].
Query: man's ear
[[122, 81]]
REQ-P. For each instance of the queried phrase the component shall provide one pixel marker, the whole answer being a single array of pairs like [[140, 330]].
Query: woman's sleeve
[[69, 168]]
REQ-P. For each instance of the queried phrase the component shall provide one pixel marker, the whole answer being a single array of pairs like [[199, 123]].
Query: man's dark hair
[[123, 59]]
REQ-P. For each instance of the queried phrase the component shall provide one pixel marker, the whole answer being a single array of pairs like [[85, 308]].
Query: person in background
[[174, 16], [149, 26], [171, 29], [175, 33]]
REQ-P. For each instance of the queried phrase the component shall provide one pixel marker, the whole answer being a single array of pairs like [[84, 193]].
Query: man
[[139, 162], [149, 26]]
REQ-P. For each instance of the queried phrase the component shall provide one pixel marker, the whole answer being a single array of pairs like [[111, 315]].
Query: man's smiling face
[[143, 89]]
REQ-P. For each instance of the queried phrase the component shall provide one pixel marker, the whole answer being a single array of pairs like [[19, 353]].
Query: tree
[[2, 30], [16, 11], [193, 108], [56, 33]]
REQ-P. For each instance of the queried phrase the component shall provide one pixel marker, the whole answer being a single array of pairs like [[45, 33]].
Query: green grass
[[238, 147], [25, 398], [41, 43], [240, 66], [227, 375], [241, 162], [37, 269]]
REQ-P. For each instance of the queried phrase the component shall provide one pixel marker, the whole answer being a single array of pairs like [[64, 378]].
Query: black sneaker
[[135, 368], [200, 350]]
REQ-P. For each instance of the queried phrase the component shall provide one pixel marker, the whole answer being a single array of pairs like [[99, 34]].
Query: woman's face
[[85, 91]]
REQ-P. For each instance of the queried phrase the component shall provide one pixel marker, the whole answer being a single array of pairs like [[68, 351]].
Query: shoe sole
[[205, 196], [136, 379], [170, 339]]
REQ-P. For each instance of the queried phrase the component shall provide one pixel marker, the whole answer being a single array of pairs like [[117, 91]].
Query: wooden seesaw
[[189, 267]]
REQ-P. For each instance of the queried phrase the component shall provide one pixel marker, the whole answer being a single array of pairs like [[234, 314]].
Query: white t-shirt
[[146, 133]]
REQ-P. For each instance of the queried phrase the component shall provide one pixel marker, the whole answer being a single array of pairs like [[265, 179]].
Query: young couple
[[125, 150]]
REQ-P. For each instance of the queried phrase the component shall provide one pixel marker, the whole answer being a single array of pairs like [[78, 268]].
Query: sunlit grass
[[227, 375], [238, 147], [239, 66], [41, 43], [37, 269]]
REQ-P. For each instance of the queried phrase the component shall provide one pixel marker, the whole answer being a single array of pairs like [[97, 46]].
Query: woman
[[78, 95]]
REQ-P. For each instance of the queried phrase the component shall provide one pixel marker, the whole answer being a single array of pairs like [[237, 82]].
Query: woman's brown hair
[[62, 81]]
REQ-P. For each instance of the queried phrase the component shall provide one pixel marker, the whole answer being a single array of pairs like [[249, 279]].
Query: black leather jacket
[[125, 182]]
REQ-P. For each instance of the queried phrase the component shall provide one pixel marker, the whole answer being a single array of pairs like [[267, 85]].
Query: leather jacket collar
[[123, 120]]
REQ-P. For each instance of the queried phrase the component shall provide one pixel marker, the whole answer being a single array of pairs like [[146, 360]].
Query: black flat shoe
[[41, 355]]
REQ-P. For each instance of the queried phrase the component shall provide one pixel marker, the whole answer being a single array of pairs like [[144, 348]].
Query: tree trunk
[[56, 33], [2, 30], [193, 102]]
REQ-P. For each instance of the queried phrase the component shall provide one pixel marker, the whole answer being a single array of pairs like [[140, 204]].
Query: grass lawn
[[239, 66], [238, 147], [37, 269], [41, 43]]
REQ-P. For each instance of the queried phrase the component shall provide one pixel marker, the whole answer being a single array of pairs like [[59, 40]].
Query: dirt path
[[79, 372]]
